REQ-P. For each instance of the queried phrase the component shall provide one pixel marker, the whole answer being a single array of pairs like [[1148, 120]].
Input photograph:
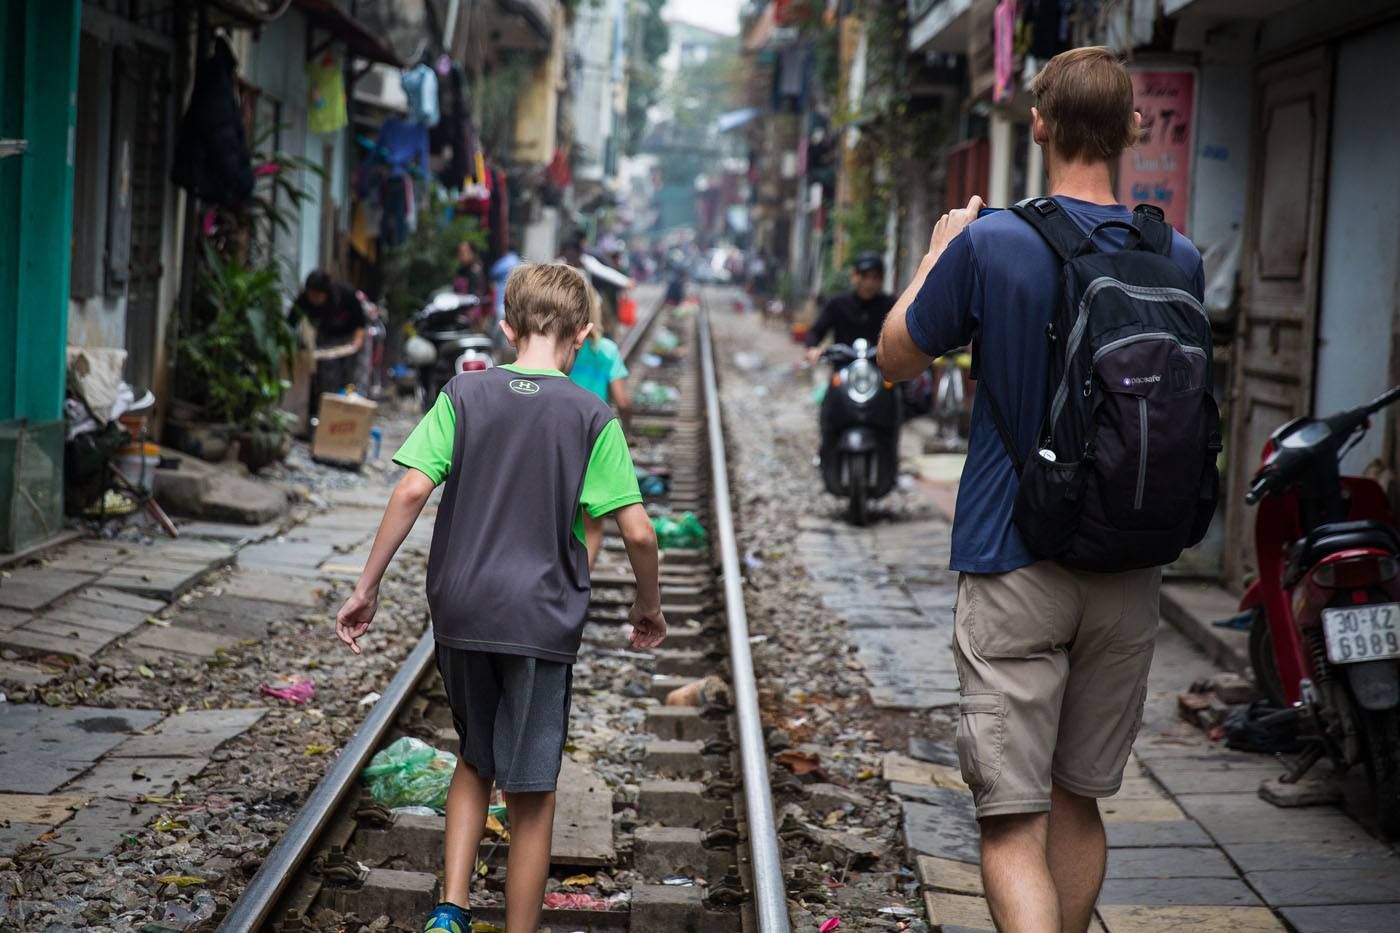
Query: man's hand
[[814, 355], [949, 226], [355, 616], [648, 626]]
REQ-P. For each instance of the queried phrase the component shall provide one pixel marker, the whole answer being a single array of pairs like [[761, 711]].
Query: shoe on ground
[[449, 918]]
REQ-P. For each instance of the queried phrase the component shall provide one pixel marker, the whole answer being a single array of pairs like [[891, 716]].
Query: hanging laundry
[[403, 146], [420, 86], [211, 158], [326, 107]]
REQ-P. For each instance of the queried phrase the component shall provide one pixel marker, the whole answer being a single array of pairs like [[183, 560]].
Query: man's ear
[[582, 335], [510, 334], [1040, 131]]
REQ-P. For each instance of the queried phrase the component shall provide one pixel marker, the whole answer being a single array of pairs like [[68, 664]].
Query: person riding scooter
[[857, 314]]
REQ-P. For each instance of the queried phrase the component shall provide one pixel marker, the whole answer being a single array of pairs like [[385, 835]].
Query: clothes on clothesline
[[420, 86]]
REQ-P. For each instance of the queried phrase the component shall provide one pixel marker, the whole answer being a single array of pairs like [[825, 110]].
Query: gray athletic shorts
[[511, 714]]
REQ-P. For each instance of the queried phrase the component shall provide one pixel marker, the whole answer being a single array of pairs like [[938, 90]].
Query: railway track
[[681, 838]]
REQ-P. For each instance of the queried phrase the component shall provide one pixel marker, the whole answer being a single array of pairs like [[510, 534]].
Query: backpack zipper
[[1137, 338], [1142, 452]]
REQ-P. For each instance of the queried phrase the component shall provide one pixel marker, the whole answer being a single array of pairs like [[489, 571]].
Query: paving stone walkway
[[1192, 846]]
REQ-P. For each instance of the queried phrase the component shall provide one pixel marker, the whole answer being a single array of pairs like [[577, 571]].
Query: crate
[[31, 482]]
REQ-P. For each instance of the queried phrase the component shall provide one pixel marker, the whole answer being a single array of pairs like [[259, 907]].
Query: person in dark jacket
[[211, 158], [858, 313], [335, 311]]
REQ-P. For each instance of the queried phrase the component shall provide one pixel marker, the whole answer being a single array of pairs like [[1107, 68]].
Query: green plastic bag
[[410, 773], [683, 532]]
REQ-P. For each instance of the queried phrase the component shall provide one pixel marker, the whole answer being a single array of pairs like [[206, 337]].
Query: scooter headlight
[[862, 381]]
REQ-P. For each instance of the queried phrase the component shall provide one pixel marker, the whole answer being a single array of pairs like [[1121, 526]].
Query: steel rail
[[261, 895], [770, 893]]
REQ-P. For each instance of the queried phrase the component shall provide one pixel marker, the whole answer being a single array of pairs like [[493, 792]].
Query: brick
[[957, 910], [1308, 792], [680, 722], [1169, 862], [1136, 835], [660, 851], [414, 842], [191, 734], [950, 875], [101, 827], [1189, 892], [682, 663], [1120, 810], [907, 770], [828, 797], [386, 892], [63, 638], [1317, 886], [30, 588], [672, 758], [46, 809], [659, 908], [180, 639], [1143, 919], [678, 803], [136, 777], [1354, 918]]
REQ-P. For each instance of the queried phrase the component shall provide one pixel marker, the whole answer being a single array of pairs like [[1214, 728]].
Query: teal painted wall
[[38, 87]]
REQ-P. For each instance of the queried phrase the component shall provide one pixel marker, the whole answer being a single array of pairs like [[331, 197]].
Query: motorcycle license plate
[[1362, 633]]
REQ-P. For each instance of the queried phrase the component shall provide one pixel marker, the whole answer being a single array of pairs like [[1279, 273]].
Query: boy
[[508, 572]]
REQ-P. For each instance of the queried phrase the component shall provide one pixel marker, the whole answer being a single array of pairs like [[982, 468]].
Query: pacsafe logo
[[524, 387], [1141, 380]]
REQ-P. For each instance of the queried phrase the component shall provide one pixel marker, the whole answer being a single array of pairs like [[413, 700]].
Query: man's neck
[[1083, 181]]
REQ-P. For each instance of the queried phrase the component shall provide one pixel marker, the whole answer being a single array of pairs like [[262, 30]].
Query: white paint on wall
[[1361, 240]]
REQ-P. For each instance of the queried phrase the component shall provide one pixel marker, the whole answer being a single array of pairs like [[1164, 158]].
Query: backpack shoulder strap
[[1054, 225], [1152, 224]]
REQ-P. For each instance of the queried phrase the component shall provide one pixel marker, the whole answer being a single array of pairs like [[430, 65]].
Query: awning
[[356, 36], [734, 119]]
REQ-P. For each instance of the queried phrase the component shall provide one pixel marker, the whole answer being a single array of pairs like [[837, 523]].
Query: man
[[857, 314], [335, 311], [1052, 662]]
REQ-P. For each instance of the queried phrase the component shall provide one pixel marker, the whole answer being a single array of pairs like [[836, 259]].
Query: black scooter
[[455, 324], [860, 418]]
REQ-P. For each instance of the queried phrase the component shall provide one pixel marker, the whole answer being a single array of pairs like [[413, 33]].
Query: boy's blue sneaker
[[448, 917]]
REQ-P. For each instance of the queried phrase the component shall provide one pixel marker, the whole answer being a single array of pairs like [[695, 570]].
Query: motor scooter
[[1324, 637], [455, 324], [860, 418]]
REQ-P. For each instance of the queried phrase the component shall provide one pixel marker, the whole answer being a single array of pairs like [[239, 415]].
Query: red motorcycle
[[1324, 640]]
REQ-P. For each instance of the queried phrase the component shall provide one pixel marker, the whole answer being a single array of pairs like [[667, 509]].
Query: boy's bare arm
[[405, 505], [592, 538], [648, 624]]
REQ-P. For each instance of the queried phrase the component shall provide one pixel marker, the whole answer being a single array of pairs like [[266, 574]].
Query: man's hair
[[318, 281], [547, 298], [1086, 98]]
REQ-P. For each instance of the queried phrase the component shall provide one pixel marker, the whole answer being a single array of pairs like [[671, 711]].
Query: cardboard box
[[342, 433]]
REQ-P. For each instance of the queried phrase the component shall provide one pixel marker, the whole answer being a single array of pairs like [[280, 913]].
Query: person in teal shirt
[[598, 367]]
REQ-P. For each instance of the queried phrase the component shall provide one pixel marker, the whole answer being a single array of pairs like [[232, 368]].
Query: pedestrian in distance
[[338, 316], [1053, 658], [531, 464], [857, 314], [599, 369]]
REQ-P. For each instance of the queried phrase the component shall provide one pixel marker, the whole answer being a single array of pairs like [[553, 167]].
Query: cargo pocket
[[980, 740]]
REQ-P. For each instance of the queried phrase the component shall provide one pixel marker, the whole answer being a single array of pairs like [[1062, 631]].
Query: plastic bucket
[[138, 463]]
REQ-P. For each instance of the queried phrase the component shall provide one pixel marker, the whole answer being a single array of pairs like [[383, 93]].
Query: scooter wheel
[[1261, 660]]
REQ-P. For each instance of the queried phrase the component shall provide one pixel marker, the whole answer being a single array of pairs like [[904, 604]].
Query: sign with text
[[1158, 169]]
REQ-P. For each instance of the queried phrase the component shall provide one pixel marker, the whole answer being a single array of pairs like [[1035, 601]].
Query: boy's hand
[[355, 616], [648, 626]]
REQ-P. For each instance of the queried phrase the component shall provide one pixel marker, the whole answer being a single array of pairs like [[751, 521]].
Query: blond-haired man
[[1052, 661]]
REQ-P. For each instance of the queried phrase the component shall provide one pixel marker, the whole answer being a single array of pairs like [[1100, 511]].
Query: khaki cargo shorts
[[1052, 666]]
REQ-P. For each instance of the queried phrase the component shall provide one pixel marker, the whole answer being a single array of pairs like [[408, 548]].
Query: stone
[[1169, 862], [30, 588], [1306, 886], [1142, 919], [52, 636], [946, 911], [907, 668], [948, 831], [42, 747], [680, 722], [1246, 818], [583, 824], [1225, 892], [1309, 792], [845, 848], [191, 734], [1354, 918], [15, 836], [101, 827], [27, 674], [386, 892], [250, 584], [1233, 689], [125, 778], [903, 769], [13, 618], [678, 803], [939, 753], [828, 797], [1136, 835], [1361, 856], [950, 875], [671, 758], [661, 908], [179, 639], [1137, 810], [661, 851]]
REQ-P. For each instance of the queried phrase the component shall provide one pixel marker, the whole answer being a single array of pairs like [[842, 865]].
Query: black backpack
[[1124, 473]]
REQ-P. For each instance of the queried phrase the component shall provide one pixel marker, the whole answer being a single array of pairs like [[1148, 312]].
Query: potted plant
[[231, 366]]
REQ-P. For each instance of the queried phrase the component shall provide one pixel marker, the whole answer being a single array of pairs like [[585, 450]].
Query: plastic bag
[[683, 532], [410, 773]]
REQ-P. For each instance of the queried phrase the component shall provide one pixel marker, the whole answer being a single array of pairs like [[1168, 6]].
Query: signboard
[[1158, 169]]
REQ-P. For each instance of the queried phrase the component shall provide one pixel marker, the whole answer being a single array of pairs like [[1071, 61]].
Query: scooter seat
[[1332, 537]]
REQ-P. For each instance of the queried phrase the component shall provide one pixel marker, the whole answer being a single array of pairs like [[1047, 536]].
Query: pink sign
[[1158, 169], [1003, 61]]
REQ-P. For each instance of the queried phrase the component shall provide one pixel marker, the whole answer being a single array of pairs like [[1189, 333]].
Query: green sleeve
[[610, 481], [619, 368], [429, 448]]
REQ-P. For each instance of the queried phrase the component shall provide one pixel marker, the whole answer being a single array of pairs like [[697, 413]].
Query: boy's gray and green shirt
[[523, 453]]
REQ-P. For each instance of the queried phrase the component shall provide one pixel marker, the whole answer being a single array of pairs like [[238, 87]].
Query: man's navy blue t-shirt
[[999, 282]]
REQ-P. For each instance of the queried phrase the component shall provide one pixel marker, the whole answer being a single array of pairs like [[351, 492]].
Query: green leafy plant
[[427, 259], [231, 364]]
